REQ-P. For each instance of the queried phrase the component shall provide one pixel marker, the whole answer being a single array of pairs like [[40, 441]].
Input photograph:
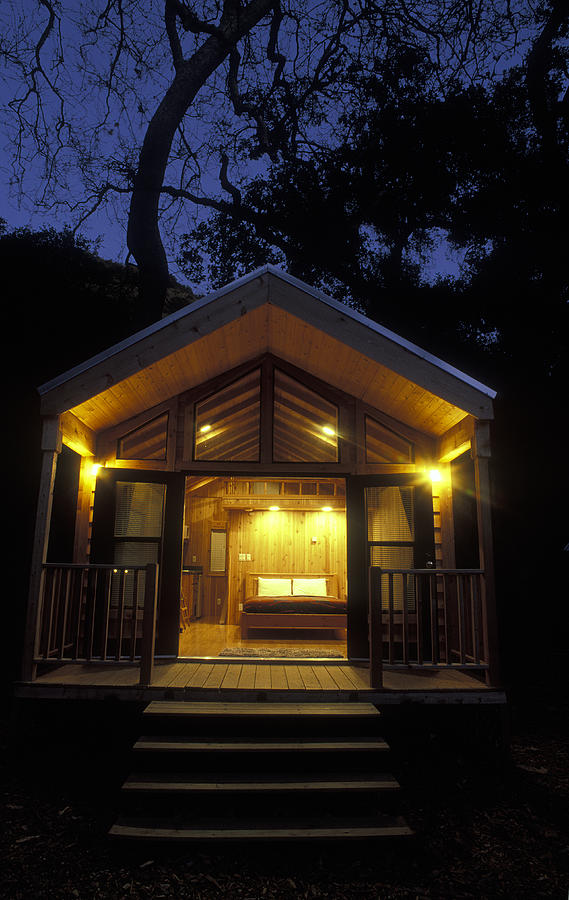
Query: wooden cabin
[[265, 471]]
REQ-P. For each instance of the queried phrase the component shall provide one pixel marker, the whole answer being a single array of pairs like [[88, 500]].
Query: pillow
[[309, 587], [273, 587]]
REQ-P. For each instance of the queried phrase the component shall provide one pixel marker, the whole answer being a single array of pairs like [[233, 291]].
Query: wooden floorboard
[[307, 680]]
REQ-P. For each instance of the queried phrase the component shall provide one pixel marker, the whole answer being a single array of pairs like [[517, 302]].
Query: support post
[[481, 456], [149, 625], [51, 448]]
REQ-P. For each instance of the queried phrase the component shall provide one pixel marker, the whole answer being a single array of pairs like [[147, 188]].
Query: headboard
[[251, 579]]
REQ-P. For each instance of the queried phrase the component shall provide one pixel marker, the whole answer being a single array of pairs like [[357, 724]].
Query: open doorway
[[264, 567]]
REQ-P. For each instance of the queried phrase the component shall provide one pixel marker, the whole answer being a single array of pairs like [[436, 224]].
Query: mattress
[[307, 605]]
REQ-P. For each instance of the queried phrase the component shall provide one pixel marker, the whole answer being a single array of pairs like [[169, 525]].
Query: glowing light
[[274, 508], [205, 428], [328, 430], [326, 509], [95, 468], [435, 475]]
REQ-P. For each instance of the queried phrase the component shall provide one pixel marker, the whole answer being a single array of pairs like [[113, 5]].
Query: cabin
[[264, 491]]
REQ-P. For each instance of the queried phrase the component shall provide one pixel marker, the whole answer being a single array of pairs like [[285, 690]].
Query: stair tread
[[253, 829], [185, 743], [173, 782], [254, 709]]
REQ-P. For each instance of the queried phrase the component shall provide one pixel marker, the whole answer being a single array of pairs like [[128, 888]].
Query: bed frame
[[291, 620]]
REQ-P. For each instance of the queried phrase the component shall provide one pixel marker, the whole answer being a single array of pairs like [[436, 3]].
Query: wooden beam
[[456, 441], [481, 455], [51, 443], [77, 436]]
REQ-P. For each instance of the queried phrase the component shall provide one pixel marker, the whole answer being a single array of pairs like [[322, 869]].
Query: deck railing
[[98, 613], [426, 618]]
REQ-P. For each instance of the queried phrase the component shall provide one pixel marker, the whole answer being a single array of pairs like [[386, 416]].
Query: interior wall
[[202, 513], [297, 541], [306, 542]]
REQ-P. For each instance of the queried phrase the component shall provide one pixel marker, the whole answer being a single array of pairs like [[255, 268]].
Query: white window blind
[[139, 509], [217, 552]]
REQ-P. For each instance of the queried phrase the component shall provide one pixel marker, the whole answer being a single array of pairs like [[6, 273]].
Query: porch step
[[185, 744], [219, 710], [347, 829], [254, 770], [179, 783]]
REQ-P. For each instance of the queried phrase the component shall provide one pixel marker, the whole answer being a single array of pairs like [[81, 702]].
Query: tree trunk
[[143, 236]]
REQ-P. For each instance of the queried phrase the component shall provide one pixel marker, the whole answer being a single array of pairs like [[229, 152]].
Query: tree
[[143, 104], [474, 164]]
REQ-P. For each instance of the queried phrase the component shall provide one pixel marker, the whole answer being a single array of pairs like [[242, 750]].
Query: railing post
[[149, 625], [375, 635]]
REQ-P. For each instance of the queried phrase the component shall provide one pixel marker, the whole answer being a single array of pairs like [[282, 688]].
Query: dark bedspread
[[330, 605]]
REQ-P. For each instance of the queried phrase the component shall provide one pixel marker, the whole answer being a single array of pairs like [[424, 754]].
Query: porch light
[[435, 475], [95, 468], [328, 430], [274, 508], [326, 509], [205, 428]]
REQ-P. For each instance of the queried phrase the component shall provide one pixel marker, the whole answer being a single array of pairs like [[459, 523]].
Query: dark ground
[[483, 828]]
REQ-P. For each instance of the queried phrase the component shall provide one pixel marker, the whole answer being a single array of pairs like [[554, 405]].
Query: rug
[[282, 653]]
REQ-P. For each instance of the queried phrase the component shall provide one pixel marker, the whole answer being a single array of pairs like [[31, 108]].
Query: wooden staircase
[[214, 771]]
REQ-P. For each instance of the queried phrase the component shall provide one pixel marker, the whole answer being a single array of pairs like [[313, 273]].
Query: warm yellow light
[[328, 430], [274, 508], [435, 475], [205, 428], [95, 468], [326, 509]]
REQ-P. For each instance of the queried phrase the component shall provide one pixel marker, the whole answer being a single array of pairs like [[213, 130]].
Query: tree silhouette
[[145, 101]]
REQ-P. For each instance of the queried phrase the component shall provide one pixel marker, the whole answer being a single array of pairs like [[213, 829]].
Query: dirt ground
[[481, 831]]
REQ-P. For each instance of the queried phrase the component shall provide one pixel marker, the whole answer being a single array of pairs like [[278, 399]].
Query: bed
[[292, 601]]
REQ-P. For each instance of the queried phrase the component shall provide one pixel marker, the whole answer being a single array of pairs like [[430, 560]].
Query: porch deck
[[304, 681]]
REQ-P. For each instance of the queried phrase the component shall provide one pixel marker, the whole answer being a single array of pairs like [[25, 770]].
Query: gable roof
[[268, 311]]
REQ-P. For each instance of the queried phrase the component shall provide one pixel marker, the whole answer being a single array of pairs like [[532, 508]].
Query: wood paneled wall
[[283, 541]]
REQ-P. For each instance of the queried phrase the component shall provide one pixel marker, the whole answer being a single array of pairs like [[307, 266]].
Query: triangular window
[[149, 441], [384, 445], [305, 425], [227, 423]]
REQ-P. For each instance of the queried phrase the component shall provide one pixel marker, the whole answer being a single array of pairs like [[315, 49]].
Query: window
[[391, 540], [385, 446], [139, 517], [218, 551], [149, 441], [228, 422], [305, 425]]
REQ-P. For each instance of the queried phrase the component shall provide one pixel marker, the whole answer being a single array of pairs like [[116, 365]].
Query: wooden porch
[[256, 680]]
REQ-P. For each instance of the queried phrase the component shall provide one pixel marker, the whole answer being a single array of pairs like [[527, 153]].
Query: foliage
[[145, 103], [411, 165]]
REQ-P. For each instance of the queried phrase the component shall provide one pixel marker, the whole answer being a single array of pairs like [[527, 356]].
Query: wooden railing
[[98, 613], [426, 618]]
